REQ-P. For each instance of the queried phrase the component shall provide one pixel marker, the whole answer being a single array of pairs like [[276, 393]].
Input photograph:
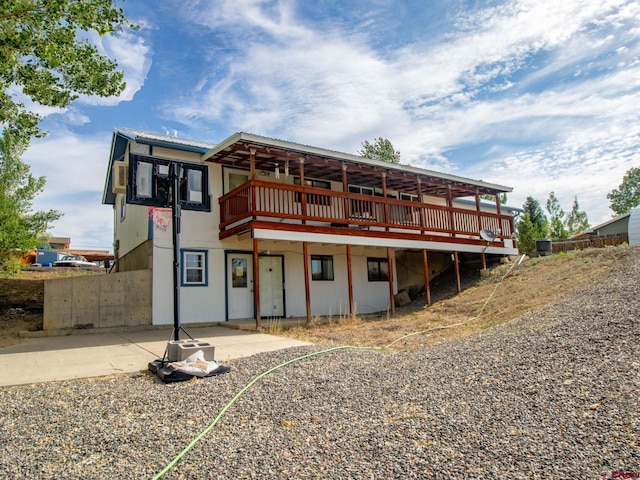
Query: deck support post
[[345, 189], [392, 300], [384, 195], [303, 196], [252, 176], [450, 205], [352, 306], [425, 268], [256, 283], [480, 227], [307, 291], [457, 268], [422, 220]]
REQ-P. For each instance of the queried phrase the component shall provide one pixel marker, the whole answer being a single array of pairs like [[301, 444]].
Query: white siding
[[634, 227]]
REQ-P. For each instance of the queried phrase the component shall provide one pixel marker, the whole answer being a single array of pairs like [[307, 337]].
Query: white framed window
[[194, 268], [123, 208], [144, 177], [194, 186]]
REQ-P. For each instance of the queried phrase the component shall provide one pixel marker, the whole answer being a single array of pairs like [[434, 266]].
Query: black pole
[[176, 172]]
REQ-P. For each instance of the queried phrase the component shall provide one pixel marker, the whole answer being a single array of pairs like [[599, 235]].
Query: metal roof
[[327, 164]]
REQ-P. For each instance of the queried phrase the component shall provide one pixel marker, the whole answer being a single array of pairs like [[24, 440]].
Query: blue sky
[[539, 95]]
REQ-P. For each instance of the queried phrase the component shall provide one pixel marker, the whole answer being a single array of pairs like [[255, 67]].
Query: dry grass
[[493, 300]]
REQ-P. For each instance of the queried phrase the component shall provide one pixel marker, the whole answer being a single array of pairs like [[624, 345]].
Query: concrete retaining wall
[[100, 301]]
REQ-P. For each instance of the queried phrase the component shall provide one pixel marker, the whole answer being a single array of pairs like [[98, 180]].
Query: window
[[361, 209], [144, 177], [409, 197], [378, 269], [321, 267], [360, 190], [194, 268], [123, 208], [239, 273], [312, 197], [237, 179], [152, 182]]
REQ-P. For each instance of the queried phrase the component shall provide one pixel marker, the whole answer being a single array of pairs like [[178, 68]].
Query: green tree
[[577, 220], [627, 196], [21, 229], [557, 229], [502, 197], [527, 233], [45, 57], [381, 149], [537, 217]]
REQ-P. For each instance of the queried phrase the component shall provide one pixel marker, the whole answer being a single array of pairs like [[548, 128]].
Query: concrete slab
[[49, 359]]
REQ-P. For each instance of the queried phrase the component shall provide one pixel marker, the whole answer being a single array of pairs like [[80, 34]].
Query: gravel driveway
[[554, 394]]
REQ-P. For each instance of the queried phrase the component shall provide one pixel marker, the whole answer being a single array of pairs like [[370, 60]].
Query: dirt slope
[[22, 301], [494, 300]]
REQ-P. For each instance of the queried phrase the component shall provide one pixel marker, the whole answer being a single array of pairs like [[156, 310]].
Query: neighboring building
[[634, 227], [271, 228], [59, 243], [617, 225]]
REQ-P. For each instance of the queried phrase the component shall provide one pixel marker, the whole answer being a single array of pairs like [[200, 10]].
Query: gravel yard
[[553, 394]]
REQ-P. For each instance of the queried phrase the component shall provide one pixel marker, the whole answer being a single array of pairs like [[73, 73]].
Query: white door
[[240, 285], [271, 286]]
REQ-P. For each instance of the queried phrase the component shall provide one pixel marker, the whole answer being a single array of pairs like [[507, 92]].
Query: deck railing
[[270, 201]]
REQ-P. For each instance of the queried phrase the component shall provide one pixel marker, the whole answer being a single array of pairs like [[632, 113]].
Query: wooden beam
[[450, 205], [252, 174], [307, 290], [303, 196], [391, 296], [352, 306], [256, 283], [456, 264], [425, 268], [345, 189], [384, 195]]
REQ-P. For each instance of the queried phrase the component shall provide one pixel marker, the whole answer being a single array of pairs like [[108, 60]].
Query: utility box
[[178, 350]]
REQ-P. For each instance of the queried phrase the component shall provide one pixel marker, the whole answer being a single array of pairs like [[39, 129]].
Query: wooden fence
[[593, 241]]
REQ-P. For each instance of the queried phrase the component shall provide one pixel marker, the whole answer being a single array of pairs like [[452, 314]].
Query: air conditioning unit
[[120, 177]]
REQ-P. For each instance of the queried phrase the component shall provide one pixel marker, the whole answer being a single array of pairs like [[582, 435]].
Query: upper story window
[[150, 183]]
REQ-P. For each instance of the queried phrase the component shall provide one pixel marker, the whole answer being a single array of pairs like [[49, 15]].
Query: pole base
[[168, 374]]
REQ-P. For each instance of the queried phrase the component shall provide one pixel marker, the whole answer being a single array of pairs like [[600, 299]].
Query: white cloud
[[133, 57], [75, 169]]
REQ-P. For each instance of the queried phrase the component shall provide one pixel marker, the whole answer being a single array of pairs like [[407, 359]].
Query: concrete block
[[402, 298], [178, 350]]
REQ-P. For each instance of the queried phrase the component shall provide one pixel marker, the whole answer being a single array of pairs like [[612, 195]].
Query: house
[[614, 226], [615, 231], [271, 228]]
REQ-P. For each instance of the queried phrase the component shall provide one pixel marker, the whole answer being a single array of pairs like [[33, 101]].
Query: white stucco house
[[271, 228]]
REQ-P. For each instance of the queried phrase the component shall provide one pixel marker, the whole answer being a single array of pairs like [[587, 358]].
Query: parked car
[[74, 261]]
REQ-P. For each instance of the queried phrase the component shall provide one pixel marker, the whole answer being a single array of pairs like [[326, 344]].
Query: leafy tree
[[557, 229], [20, 229], [502, 197], [577, 220], [537, 216], [627, 196], [527, 233], [44, 57], [381, 149]]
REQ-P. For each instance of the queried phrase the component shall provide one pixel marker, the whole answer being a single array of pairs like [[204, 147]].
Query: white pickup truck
[[74, 261]]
